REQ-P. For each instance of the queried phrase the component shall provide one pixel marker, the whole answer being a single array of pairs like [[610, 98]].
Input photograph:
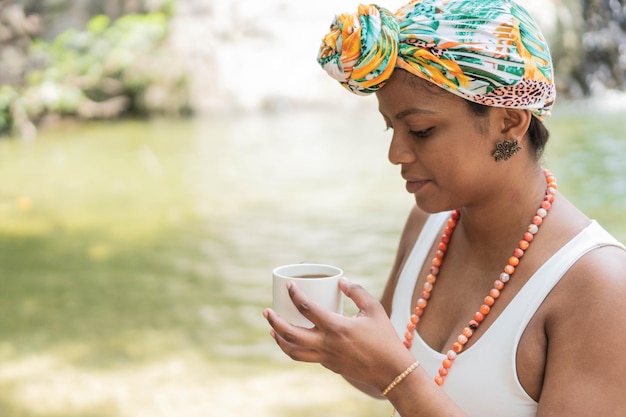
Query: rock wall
[[17, 29]]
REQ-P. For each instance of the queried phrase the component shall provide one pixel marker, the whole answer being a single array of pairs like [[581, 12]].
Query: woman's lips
[[414, 186]]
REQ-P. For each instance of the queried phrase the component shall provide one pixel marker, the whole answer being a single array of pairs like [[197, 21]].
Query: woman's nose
[[399, 151]]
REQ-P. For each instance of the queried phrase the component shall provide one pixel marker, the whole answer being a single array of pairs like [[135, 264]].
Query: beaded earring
[[506, 149]]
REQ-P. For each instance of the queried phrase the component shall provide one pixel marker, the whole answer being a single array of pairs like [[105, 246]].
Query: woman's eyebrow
[[413, 110]]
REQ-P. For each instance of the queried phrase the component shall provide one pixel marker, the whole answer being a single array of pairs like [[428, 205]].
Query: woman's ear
[[515, 123]]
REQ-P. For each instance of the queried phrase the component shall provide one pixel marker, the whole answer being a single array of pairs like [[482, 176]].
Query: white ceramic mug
[[319, 282]]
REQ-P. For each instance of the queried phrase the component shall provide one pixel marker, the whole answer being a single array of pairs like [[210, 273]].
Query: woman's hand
[[364, 348]]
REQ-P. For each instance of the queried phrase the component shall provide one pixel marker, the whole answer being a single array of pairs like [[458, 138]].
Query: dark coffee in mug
[[312, 276], [319, 282]]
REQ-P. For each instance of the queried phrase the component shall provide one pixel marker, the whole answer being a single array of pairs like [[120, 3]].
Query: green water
[[136, 255]]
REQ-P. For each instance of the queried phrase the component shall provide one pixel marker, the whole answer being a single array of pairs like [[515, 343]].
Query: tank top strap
[[408, 277], [550, 273]]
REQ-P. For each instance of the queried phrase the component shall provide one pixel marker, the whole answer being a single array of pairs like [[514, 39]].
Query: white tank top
[[483, 381]]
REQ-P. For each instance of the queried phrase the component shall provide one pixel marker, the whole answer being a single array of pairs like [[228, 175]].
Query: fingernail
[[266, 313]]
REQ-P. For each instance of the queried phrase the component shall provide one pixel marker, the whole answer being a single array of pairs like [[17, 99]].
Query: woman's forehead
[[405, 92]]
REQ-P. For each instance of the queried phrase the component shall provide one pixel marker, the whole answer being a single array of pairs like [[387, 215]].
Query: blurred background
[[159, 157]]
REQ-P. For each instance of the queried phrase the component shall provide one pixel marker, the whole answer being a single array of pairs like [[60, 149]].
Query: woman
[[504, 300]]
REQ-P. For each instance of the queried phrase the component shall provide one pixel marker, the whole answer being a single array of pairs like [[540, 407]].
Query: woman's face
[[444, 149]]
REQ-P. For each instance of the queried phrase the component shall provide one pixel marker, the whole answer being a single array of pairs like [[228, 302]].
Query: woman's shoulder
[[603, 265], [601, 252], [596, 260], [597, 274]]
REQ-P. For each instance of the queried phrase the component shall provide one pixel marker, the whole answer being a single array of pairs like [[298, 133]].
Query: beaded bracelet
[[400, 377]]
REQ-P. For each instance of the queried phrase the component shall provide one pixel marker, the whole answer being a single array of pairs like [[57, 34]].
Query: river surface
[[137, 255]]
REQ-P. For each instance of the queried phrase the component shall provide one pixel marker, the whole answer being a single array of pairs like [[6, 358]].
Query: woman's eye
[[421, 133]]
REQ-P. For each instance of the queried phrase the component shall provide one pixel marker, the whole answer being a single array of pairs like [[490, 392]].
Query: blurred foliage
[[109, 69], [603, 42], [8, 95]]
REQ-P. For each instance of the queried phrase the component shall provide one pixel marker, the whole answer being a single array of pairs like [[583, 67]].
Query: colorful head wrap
[[487, 51]]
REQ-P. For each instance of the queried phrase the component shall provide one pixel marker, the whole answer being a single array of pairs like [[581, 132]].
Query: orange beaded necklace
[[494, 293]]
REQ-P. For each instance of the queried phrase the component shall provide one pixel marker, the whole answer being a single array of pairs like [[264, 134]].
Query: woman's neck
[[488, 229]]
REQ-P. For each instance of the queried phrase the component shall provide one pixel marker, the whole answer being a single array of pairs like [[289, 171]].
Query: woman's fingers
[[309, 309], [299, 343], [333, 340], [367, 304], [296, 342]]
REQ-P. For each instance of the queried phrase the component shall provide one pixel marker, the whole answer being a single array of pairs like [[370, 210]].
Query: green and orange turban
[[487, 51]]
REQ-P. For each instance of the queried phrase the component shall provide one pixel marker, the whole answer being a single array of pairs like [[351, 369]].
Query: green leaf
[[98, 24]]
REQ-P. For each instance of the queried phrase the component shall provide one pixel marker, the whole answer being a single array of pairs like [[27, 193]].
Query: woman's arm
[[586, 328]]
